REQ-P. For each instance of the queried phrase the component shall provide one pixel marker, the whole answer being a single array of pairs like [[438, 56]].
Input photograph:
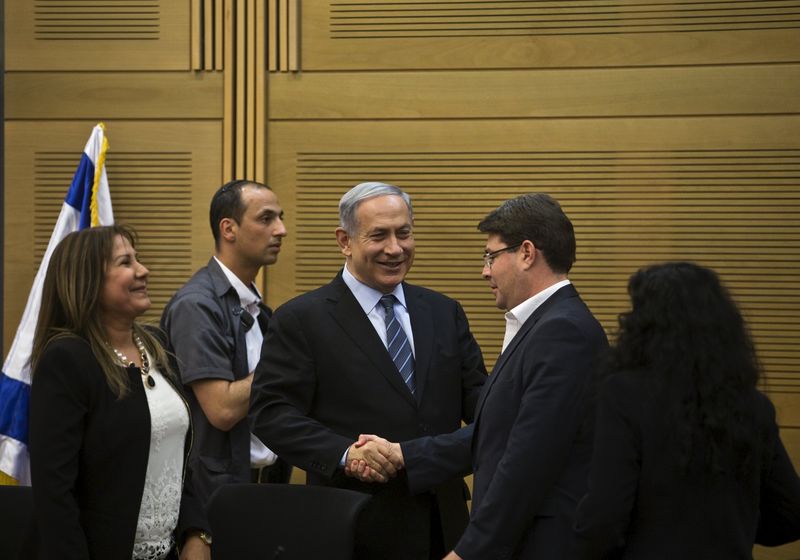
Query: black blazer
[[325, 377], [530, 444], [89, 453], [640, 505]]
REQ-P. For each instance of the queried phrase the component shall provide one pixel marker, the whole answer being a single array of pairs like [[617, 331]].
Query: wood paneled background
[[668, 130]]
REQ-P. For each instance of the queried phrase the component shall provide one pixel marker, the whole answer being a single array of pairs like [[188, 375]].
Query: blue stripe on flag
[[79, 195], [14, 416]]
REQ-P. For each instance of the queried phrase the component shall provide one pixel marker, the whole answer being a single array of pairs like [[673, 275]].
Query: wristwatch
[[205, 537]]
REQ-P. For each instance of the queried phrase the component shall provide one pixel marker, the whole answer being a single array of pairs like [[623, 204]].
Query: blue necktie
[[398, 345]]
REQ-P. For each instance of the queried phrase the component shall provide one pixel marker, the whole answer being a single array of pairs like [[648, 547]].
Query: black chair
[[283, 522], [17, 524]]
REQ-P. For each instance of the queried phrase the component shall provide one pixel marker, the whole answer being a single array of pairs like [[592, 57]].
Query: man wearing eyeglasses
[[215, 324], [530, 444]]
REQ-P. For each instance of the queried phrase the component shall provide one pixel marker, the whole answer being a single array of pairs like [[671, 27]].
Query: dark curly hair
[[685, 329]]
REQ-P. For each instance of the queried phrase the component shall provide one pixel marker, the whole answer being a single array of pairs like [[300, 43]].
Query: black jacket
[[89, 453]]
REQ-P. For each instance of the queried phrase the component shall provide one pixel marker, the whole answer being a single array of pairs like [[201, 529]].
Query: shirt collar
[[366, 296], [521, 312], [247, 295]]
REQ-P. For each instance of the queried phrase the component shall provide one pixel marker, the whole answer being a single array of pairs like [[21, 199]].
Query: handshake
[[373, 459]]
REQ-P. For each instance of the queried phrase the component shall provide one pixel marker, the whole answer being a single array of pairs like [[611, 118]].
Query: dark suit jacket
[[641, 506], [89, 453], [531, 440], [325, 377]]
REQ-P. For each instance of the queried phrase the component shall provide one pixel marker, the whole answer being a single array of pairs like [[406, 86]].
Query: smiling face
[[381, 250], [124, 292]]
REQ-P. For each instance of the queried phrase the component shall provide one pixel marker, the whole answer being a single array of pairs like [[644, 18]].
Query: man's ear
[[227, 229], [528, 254], [343, 239]]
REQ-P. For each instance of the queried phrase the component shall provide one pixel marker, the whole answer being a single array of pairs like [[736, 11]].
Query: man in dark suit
[[371, 353], [531, 442]]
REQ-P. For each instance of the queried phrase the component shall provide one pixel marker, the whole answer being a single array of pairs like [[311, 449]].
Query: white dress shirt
[[517, 316], [369, 300], [249, 298]]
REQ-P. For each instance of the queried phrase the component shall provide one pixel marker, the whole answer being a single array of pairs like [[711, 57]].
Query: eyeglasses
[[488, 258]]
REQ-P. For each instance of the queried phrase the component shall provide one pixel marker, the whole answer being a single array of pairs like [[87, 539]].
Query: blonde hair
[[71, 302]]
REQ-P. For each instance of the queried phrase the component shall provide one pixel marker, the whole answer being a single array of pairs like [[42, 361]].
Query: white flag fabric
[[87, 204]]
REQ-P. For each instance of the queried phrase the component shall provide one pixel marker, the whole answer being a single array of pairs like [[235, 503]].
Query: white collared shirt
[[369, 300], [517, 316], [249, 298]]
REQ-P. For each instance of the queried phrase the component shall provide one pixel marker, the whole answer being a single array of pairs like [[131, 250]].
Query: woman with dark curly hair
[[687, 459]]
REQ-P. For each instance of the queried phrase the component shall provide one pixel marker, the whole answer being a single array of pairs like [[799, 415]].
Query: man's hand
[[452, 556], [195, 549], [360, 468], [395, 452], [374, 456]]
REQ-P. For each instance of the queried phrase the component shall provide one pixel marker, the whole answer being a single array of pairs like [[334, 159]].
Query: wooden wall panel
[[703, 195], [408, 34], [604, 92], [161, 177], [722, 191], [97, 35], [668, 129], [129, 95], [542, 18]]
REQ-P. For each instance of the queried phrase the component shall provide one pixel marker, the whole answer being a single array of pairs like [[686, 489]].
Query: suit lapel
[[422, 327], [563, 293], [349, 315]]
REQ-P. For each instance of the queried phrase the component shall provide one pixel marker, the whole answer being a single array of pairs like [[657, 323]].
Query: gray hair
[[361, 192]]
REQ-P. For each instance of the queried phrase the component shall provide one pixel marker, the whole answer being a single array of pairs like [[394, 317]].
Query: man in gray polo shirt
[[215, 324]]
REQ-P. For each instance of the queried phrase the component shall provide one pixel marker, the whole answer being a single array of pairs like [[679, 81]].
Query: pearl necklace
[[147, 379]]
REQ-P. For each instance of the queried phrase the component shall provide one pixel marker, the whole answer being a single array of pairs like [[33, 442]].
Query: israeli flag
[[87, 204]]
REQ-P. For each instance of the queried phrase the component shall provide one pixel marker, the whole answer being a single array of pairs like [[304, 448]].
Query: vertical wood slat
[[244, 128], [273, 35], [259, 115], [250, 96], [293, 36], [283, 35], [240, 140], [219, 34], [208, 35], [197, 36], [228, 94]]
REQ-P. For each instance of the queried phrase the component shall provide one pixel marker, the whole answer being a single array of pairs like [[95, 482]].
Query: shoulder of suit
[[412, 290], [70, 343], [66, 352], [313, 299]]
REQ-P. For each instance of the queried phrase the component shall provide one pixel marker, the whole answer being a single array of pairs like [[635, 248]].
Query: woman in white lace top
[[109, 428]]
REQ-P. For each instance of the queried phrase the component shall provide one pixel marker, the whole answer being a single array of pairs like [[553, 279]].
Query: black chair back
[[283, 522]]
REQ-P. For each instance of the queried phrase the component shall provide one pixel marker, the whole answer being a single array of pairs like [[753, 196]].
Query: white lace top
[[161, 500]]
